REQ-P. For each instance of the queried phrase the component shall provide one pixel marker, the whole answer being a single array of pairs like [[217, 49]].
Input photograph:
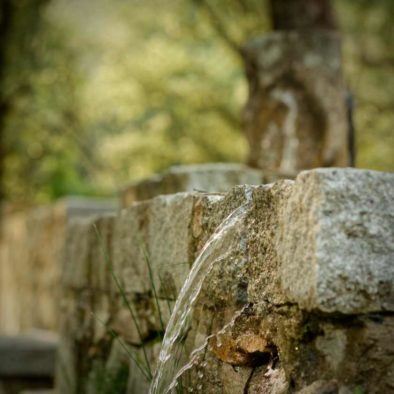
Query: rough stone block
[[170, 241], [133, 322], [137, 382], [87, 206], [14, 233], [101, 256], [323, 242], [336, 242], [27, 356], [156, 234], [44, 244], [130, 233], [87, 261], [210, 178], [31, 254], [76, 263]]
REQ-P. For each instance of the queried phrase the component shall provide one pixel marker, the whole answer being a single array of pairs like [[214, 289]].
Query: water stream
[[218, 247]]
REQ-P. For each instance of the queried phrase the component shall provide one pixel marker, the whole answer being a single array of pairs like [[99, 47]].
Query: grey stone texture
[[27, 362], [27, 356], [207, 178], [146, 249], [336, 241], [155, 244], [31, 256], [298, 296], [295, 117]]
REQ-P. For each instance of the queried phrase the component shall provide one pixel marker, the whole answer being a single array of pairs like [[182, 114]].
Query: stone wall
[[278, 288], [208, 178], [31, 249]]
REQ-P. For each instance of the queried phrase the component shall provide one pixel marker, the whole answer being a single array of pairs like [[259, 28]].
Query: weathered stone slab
[[87, 206], [101, 256], [85, 318], [31, 254], [336, 242], [27, 356], [323, 243], [241, 283], [244, 316], [170, 241], [87, 260], [13, 235], [130, 233], [209, 178], [76, 263], [158, 235]]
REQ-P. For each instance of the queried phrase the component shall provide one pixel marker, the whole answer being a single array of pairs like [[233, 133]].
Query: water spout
[[216, 249]]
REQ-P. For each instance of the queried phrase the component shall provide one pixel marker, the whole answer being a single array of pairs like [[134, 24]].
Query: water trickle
[[218, 248]]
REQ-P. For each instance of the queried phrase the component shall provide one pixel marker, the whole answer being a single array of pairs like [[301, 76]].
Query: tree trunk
[[5, 16], [301, 14], [19, 23], [296, 116]]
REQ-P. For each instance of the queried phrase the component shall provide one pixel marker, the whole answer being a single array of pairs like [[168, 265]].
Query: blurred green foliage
[[40, 87], [110, 91], [368, 49]]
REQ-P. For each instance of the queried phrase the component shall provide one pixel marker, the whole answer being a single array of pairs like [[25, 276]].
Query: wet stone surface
[[294, 292]]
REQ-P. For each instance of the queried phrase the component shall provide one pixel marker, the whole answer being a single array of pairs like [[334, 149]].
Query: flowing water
[[218, 248]]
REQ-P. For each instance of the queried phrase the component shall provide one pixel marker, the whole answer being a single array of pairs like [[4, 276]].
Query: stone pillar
[[295, 117]]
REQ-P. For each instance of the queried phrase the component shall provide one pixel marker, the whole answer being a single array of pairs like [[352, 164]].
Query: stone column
[[296, 114], [295, 117]]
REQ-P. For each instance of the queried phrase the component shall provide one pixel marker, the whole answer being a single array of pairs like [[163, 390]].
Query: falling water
[[166, 377]]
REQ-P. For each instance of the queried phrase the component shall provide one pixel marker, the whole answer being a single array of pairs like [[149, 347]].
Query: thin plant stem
[[167, 300], [125, 348], [125, 300], [147, 260]]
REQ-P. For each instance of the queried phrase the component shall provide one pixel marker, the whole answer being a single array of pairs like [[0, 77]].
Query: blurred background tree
[[40, 113], [103, 92]]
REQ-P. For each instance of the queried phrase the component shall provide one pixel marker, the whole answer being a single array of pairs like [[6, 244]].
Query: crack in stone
[[247, 384]]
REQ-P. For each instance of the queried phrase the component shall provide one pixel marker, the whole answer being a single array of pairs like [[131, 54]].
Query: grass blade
[[125, 300]]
